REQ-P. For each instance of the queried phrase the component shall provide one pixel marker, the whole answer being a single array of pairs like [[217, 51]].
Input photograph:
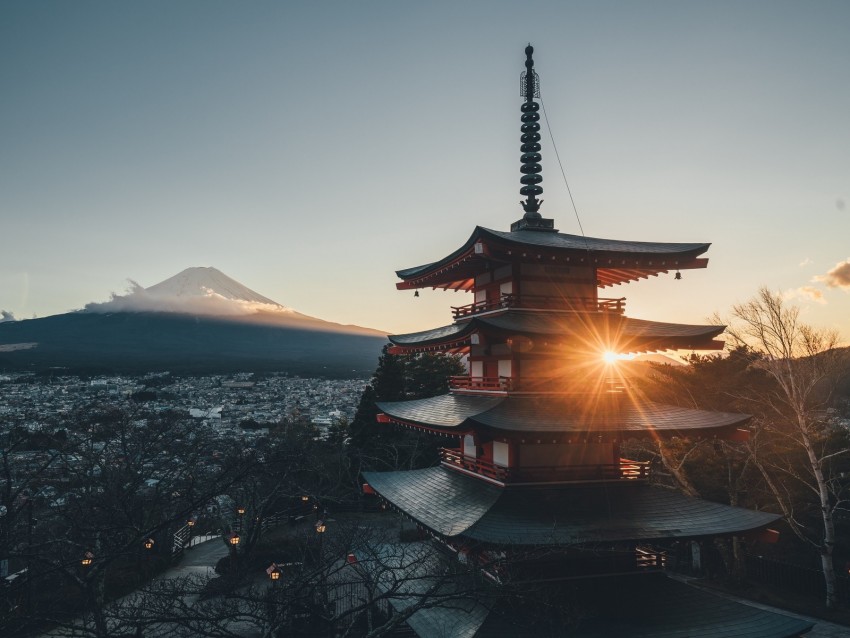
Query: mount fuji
[[206, 291], [199, 320], [205, 282]]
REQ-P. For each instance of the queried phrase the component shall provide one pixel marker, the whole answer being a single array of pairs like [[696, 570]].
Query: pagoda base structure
[[593, 552], [647, 605]]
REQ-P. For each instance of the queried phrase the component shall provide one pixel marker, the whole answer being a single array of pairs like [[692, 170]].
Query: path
[[199, 560]]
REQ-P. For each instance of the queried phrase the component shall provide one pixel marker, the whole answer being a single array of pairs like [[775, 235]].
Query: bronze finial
[[531, 178]]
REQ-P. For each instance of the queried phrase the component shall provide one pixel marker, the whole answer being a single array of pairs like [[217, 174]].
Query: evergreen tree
[[398, 378]]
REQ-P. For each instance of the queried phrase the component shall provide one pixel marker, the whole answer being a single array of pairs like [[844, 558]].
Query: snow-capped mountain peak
[[195, 291], [206, 291], [201, 281]]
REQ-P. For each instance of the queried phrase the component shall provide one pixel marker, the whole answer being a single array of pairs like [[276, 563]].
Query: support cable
[[564, 175]]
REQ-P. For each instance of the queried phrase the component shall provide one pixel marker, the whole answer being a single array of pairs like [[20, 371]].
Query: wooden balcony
[[536, 302], [625, 470], [535, 385]]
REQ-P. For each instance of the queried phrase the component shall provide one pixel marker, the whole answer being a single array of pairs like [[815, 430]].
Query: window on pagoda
[[501, 454], [469, 446]]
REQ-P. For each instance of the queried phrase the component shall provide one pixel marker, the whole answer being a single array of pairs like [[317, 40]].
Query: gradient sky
[[310, 149]]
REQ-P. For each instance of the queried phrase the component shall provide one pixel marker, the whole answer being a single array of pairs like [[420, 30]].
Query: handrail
[[479, 383], [534, 384], [541, 302], [478, 466], [625, 470], [649, 558], [181, 538]]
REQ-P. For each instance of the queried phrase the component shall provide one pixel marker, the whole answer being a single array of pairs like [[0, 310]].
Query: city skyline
[[310, 151]]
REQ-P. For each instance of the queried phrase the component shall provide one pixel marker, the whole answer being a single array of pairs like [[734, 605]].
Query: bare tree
[[804, 365], [94, 516], [361, 582]]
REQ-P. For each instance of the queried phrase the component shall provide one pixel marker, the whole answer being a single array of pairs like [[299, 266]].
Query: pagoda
[[533, 485]]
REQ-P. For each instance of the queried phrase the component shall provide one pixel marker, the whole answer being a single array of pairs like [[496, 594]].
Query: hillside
[[142, 341]]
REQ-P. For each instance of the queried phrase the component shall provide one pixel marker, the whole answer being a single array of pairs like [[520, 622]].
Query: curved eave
[[447, 336], [443, 411], [607, 276], [456, 270], [452, 504], [617, 261], [599, 514], [619, 417], [627, 417], [612, 332]]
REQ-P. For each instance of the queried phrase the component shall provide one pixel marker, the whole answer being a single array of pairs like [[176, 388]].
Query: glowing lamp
[[87, 559], [321, 527], [240, 510], [149, 543], [273, 571], [234, 539]]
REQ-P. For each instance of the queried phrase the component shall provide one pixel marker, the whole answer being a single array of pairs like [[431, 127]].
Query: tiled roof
[[605, 513], [436, 495], [564, 241], [616, 331], [435, 335], [612, 248], [564, 415], [453, 504], [446, 410]]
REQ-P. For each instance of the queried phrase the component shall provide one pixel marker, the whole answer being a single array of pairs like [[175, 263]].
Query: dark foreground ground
[[765, 594]]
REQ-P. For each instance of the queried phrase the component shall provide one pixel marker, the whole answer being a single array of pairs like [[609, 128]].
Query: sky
[[310, 149]]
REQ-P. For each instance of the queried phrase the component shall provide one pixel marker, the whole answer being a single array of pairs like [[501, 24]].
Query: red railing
[[625, 470], [489, 384], [648, 558], [536, 384], [539, 302], [478, 466]]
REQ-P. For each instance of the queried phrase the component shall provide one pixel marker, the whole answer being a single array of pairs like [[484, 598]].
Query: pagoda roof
[[617, 332], [564, 415], [617, 261], [452, 504]]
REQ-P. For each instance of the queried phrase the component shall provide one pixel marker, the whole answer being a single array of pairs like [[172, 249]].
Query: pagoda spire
[[530, 169]]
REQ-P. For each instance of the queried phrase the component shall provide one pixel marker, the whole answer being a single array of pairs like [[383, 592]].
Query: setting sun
[[612, 357]]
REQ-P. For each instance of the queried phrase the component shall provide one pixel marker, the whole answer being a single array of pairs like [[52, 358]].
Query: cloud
[[5, 315], [208, 302], [838, 277], [806, 262], [808, 292], [812, 293]]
